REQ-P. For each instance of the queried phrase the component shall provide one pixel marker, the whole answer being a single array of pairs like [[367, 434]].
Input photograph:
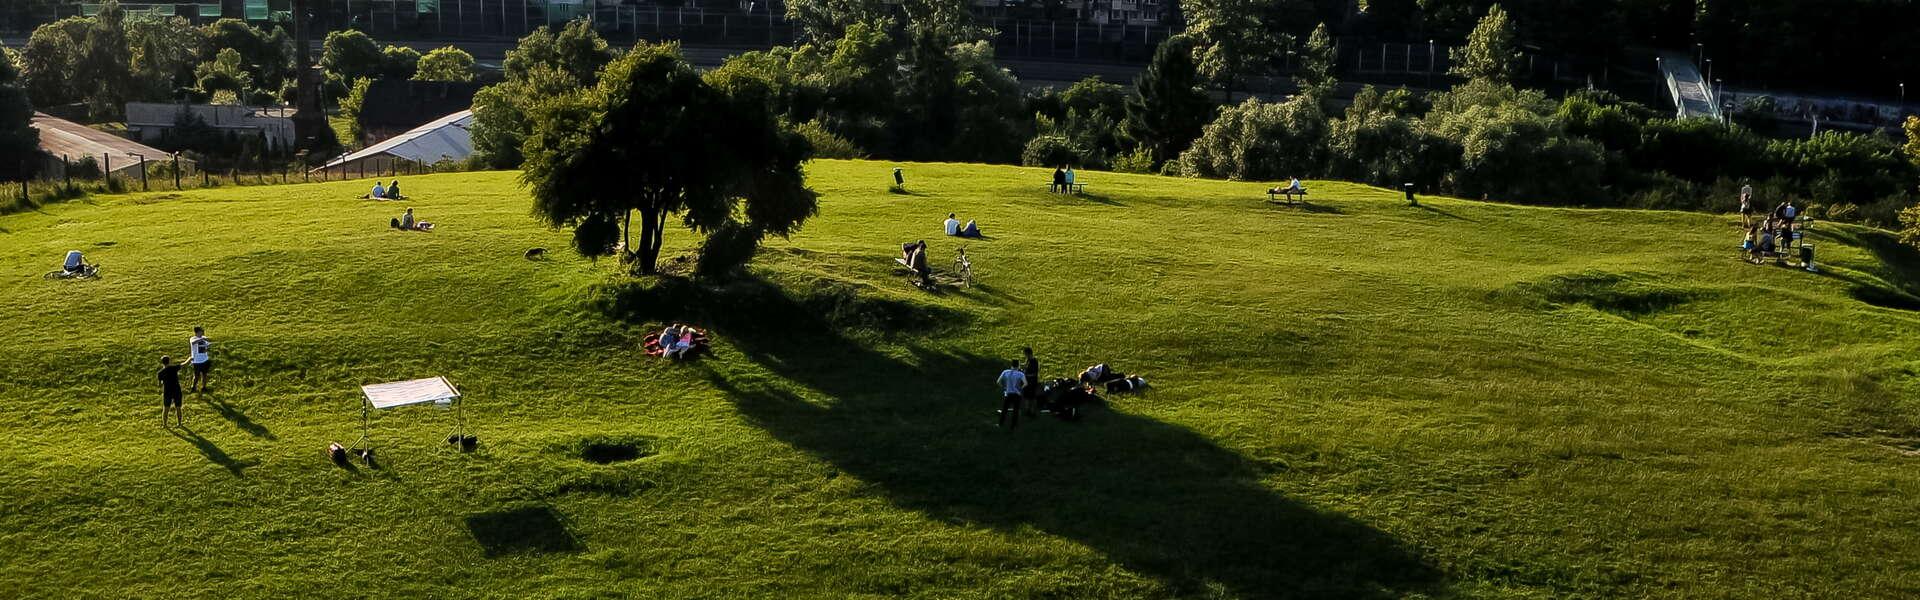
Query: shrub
[[1258, 140], [826, 144], [1140, 160], [1050, 151], [726, 250]]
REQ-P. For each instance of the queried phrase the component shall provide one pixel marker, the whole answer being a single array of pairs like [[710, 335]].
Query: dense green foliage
[[542, 68], [1357, 400], [445, 64], [19, 141], [1168, 106], [1492, 52], [656, 140]]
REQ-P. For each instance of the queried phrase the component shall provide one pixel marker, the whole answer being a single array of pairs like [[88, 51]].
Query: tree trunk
[[626, 232], [644, 254]]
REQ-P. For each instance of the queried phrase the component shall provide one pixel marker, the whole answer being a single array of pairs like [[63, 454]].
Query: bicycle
[[87, 271]]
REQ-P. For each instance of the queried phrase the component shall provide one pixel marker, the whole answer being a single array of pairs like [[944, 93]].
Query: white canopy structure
[[432, 390], [447, 138]]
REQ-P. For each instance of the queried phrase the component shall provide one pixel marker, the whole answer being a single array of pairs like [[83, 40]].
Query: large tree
[[19, 141], [1168, 108], [543, 67], [1231, 43], [1492, 52], [1317, 62], [655, 139]]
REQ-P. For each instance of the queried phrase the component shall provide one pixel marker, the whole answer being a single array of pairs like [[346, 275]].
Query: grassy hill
[[1356, 398]]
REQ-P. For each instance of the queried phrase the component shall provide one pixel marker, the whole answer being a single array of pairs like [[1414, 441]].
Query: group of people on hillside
[[1771, 235], [914, 256], [1021, 389], [679, 341], [955, 229], [171, 396], [1062, 180]]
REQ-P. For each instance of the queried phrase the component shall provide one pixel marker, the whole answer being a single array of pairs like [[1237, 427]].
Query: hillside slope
[[1353, 398]]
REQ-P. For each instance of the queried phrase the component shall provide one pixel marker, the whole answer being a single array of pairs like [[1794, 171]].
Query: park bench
[[1072, 188], [1286, 196]]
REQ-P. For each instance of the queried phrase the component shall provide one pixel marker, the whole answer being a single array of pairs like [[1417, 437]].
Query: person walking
[[1031, 391], [1011, 381], [170, 396], [197, 353]]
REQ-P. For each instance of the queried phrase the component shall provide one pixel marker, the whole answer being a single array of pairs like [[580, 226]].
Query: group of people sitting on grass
[[678, 342], [386, 192], [1022, 390], [955, 229], [1772, 236], [1062, 180], [406, 222]]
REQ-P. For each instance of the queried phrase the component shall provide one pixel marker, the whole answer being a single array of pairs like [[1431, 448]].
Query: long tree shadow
[[212, 451], [1155, 497], [238, 417]]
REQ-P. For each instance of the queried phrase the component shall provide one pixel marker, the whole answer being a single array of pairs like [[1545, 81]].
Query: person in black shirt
[[1032, 371], [170, 396]]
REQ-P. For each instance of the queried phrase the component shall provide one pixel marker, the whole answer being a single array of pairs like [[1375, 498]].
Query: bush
[[1140, 160], [826, 144], [1050, 151], [1257, 140], [726, 250]]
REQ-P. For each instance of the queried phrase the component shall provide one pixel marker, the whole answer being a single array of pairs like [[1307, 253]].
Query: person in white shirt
[[197, 352], [1746, 204], [1294, 186], [953, 224], [1012, 384]]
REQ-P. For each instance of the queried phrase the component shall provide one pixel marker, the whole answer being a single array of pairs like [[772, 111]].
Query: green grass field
[[1355, 398]]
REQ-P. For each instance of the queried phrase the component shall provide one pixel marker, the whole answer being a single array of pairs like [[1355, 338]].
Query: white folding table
[[432, 390]]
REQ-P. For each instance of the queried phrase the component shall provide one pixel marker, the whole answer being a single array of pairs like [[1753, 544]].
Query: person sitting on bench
[[952, 224], [1293, 188], [1059, 180], [907, 250]]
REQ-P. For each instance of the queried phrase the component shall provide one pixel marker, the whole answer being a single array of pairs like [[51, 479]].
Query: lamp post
[[1430, 59]]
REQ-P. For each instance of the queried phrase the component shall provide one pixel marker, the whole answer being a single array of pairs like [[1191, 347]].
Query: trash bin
[[898, 179], [1408, 188], [1806, 256]]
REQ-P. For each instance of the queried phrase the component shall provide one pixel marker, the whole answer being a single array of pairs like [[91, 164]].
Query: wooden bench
[[1286, 196], [1072, 188]]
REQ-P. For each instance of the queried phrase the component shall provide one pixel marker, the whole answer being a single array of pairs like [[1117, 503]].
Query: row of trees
[[1489, 139], [115, 57]]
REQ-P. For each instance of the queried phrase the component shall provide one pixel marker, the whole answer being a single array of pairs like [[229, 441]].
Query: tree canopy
[[19, 141], [445, 64], [1492, 52], [1167, 108], [654, 138]]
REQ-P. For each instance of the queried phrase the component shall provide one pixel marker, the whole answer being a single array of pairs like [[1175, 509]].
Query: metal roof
[[448, 138], [60, 137]]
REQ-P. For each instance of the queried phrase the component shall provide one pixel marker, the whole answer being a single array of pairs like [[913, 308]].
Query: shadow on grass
[[1160, 499], [238, 418], [1898, 269], [1431, 209], [523, 530], [1305, 207], [212, 451]]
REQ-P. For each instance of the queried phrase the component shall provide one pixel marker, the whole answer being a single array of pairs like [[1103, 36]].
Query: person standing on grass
[[1011, 381], [1746, 204], [1032, 373], [197, 353], [170, 396]]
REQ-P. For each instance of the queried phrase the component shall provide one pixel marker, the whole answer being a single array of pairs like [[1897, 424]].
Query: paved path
[[1691, 96]]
